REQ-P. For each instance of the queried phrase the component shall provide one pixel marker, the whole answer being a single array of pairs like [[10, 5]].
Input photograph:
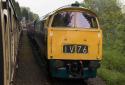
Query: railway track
[[32, 72]]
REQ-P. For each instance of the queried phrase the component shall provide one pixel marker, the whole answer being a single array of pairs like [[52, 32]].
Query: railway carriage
[[9, 39], [70, 39]]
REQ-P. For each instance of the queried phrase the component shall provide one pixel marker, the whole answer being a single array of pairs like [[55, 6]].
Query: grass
[[113, 67]]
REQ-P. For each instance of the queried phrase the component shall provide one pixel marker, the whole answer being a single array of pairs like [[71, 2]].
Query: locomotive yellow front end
[[74, 43]]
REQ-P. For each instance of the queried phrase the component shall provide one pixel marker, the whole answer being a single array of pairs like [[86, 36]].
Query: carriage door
[[5, 46], [11, 46], [10, 43]]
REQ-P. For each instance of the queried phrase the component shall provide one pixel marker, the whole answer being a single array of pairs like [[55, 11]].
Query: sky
[[42, 7], [122, 2]]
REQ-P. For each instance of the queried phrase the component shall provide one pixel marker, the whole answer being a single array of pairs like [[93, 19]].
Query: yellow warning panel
[[74, 44]]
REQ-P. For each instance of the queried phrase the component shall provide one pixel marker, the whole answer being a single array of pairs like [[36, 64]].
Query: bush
[[112, 77]]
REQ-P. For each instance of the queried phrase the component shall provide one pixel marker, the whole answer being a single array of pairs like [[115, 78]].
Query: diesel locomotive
[[70, 40], [10, 31]]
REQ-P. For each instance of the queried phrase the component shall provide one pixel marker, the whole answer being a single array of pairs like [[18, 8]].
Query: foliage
[[112, 23], [112, 69], [24, 12], [30, 16]]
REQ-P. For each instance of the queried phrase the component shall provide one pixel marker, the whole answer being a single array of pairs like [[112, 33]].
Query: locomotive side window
[[74, 20]]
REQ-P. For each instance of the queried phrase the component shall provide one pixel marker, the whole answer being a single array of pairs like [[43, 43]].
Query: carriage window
[[74, 19]]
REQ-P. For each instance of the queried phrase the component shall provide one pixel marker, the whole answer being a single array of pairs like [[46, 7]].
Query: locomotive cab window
[[74, 20]]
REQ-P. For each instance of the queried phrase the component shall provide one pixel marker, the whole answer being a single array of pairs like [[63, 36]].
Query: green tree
[[25, 12], [112, 23], [111, 20], [30, 16]]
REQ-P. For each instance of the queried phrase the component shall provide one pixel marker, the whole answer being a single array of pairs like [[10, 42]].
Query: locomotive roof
[[67, 7]]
